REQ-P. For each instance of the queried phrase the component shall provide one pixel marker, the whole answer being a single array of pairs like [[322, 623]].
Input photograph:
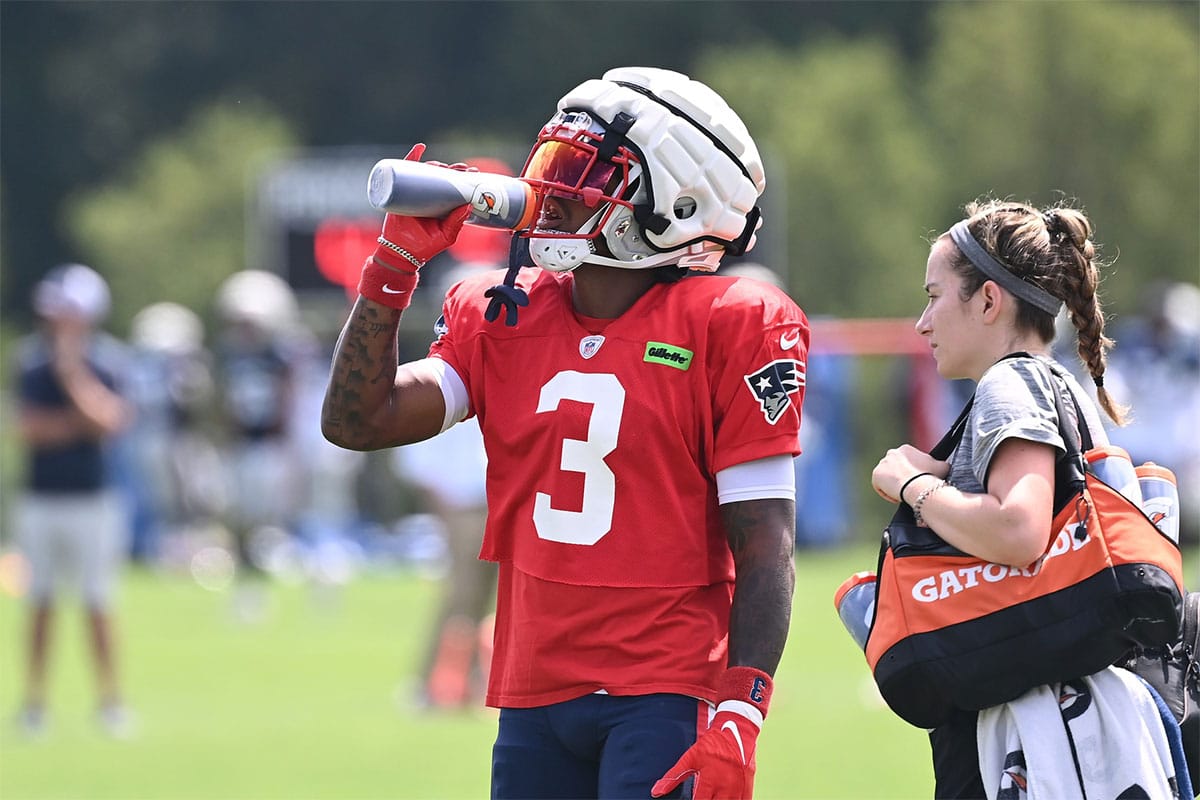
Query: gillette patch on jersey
[[774, 384], [669, 354]]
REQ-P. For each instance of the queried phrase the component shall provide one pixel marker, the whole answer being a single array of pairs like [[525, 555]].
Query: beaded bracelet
[[921, 498], [910, 480]]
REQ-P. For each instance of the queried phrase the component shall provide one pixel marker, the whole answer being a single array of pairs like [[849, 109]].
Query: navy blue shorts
[[597, 746]]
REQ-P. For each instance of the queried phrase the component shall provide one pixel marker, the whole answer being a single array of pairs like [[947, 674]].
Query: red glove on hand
[[390, 274], [722, 759]]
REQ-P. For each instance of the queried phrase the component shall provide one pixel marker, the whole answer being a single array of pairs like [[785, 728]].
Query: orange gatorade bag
[[954, 631]]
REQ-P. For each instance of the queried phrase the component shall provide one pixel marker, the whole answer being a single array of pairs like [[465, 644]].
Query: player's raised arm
[[371, 402]]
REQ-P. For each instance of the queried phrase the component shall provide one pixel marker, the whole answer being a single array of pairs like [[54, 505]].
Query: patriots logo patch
[[774, 384], [440, 328]]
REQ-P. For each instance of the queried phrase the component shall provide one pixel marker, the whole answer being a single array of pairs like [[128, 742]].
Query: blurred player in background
[[1157, 371], [176, 475], [449, 470], [256, 378], [72, 523], [640, 427]]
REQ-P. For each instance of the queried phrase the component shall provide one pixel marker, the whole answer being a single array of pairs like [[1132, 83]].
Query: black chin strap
[[508, 295], [614, 136], [738, 246]]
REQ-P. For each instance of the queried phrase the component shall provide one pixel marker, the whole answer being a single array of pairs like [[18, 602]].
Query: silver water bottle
[[416, 189], [855, 604]]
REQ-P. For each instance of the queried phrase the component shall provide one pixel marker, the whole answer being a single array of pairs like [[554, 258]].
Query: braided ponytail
[[1078, 278], [1053, 250]]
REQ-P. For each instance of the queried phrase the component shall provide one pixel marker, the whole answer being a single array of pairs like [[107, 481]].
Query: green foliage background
[[134, 147], [173, 223], [1095, 104]]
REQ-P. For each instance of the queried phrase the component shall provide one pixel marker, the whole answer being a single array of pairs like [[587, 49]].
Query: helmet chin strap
[[695, 257], [649, 262], [507, 296], [557, 254]]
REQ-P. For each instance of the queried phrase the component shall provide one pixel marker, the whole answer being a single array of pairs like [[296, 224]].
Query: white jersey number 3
[[594, 518]]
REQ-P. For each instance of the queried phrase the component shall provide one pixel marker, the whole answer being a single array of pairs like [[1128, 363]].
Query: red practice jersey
[[603, 440]]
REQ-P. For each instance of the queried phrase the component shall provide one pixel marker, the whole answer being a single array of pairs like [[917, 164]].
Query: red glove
[[390, 274], [722, 759]]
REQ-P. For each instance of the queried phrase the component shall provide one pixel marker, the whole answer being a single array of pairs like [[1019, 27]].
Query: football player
[[640, 421], [258, 353]]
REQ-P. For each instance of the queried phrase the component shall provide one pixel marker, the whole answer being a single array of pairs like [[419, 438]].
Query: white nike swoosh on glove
[[732, 727]]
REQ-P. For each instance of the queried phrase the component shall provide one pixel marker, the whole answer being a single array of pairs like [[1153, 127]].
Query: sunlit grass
[[314, 701]]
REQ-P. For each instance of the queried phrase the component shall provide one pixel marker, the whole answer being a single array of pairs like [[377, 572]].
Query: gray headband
[[960, 232]]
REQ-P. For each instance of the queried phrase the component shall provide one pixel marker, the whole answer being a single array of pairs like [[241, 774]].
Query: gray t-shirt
[[1014, 400]]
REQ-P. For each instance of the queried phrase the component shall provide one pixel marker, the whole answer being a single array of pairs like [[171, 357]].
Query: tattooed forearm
[[761, 535], [362, 377]]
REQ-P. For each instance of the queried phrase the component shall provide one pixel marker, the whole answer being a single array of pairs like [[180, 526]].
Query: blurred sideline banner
[[826, 476]]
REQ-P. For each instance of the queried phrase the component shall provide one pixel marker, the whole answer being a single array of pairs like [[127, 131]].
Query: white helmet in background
[[257, 297], [669, 166], [167, 327], [72, 290]]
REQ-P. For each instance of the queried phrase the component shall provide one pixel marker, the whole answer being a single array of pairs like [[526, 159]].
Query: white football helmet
[[167, 327], [669, 167], [259, 298]]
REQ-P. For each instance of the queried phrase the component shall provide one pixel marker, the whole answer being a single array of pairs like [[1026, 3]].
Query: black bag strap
[[1078, 440], [942, 450], [1071, 469], [904, 514], [1191, 632]]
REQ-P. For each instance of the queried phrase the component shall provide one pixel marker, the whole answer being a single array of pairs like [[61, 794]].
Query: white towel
[[1025, 746]]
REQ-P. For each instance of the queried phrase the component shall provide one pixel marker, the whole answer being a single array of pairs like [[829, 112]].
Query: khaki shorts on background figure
[[72, 542]]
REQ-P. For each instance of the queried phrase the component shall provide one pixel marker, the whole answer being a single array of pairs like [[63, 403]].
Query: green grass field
[[313, 702]]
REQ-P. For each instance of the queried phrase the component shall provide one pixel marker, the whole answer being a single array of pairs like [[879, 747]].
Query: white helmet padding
[[693, 183], [694, 145]]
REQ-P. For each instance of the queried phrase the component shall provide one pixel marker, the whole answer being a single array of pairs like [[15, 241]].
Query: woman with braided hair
[[1054, 250], [995, 283]]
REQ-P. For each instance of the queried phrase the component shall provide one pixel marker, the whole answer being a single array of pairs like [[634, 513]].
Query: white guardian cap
[[669, 167]]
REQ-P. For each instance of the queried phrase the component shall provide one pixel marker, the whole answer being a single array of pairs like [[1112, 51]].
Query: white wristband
[[747, 710]]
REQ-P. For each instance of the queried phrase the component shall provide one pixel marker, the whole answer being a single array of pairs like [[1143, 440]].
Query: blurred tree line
[[132, 132], [1096, 102]]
